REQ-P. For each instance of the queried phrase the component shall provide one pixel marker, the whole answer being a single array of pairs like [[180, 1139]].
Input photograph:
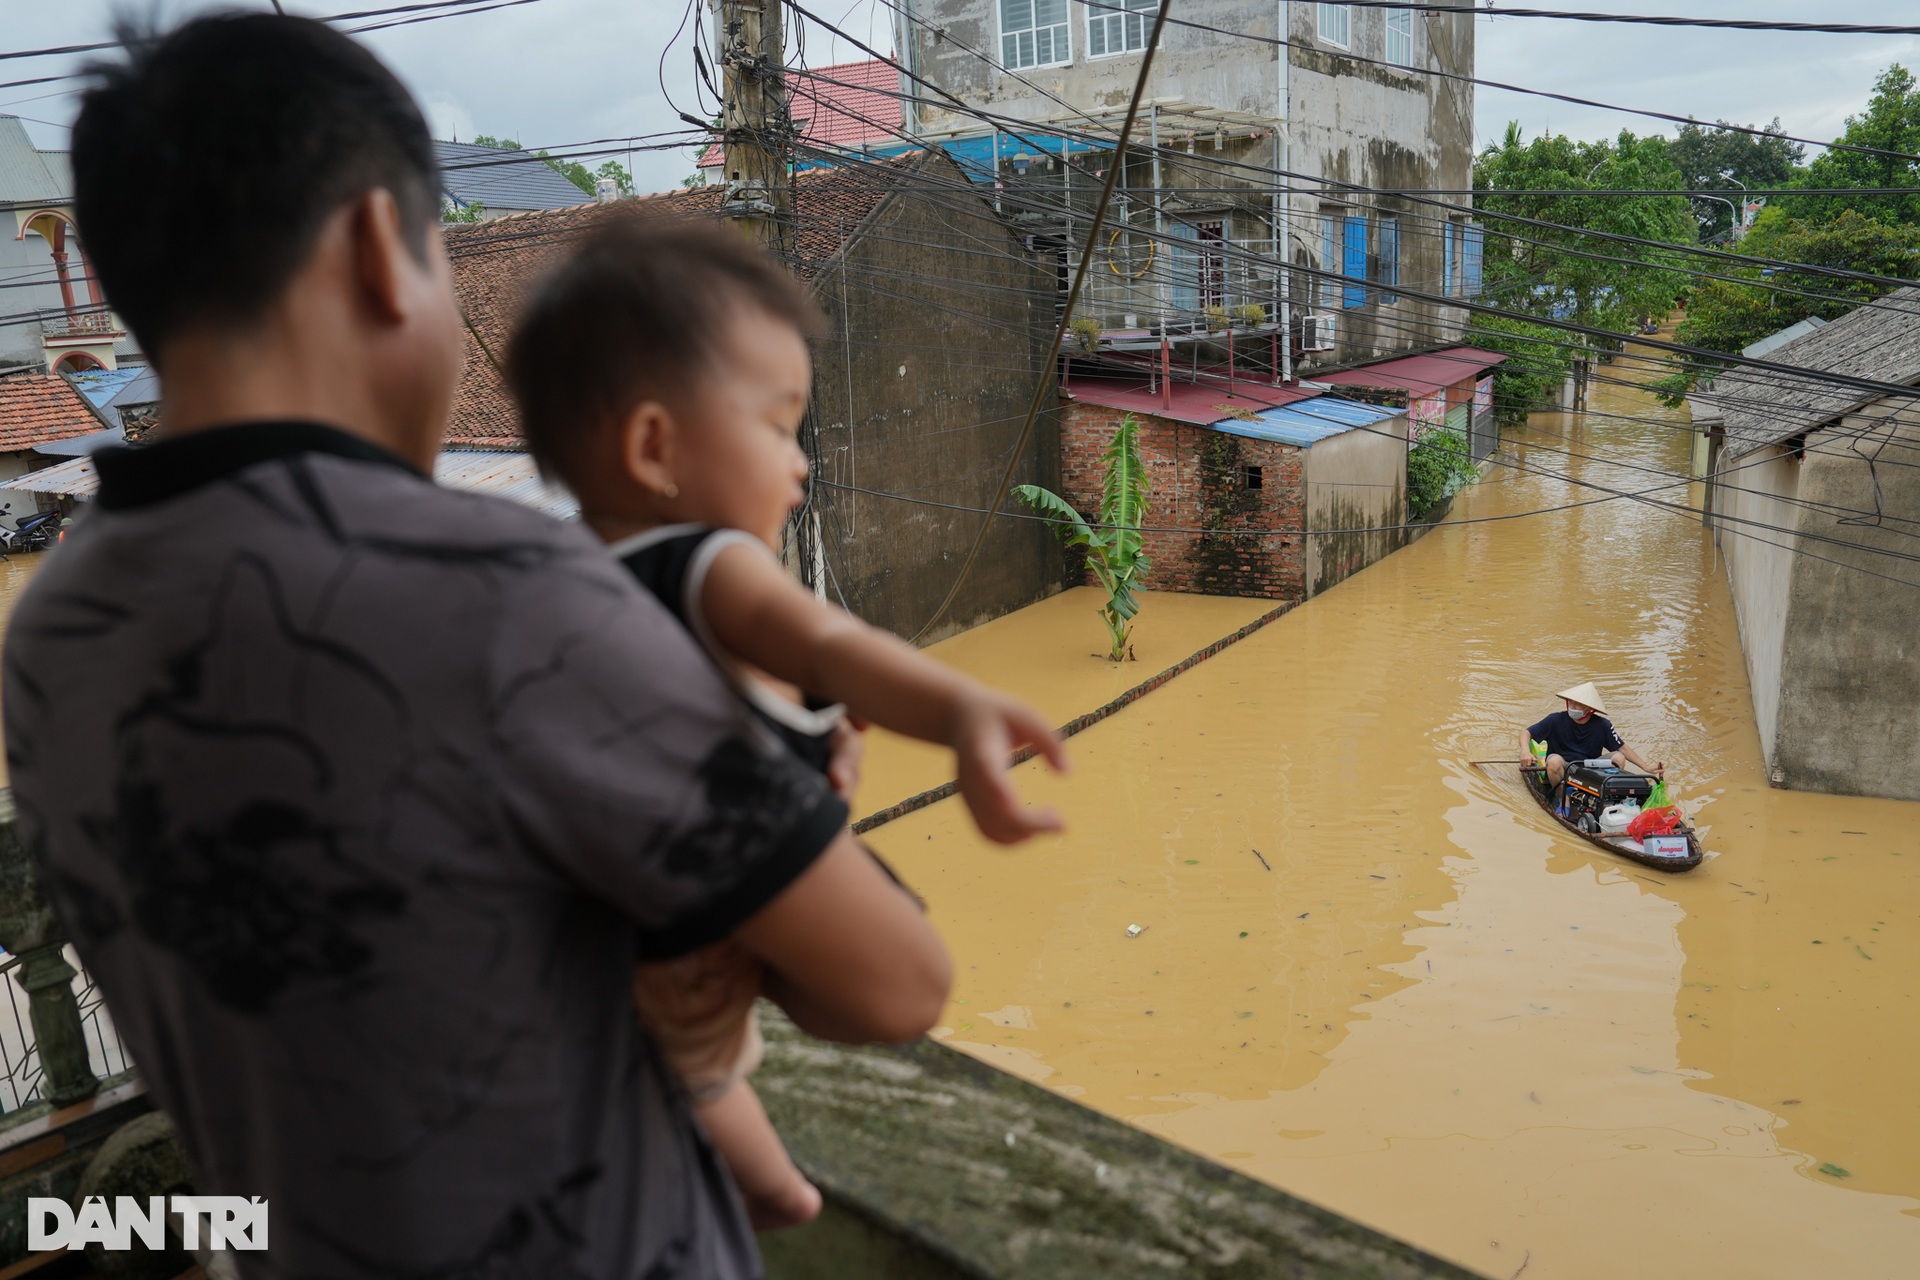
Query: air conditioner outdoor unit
[[1317, 333]]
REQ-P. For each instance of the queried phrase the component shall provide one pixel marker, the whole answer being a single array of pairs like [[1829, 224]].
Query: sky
[[556, 72]]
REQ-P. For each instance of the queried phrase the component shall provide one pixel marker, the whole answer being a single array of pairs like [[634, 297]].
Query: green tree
[[1538, 361], [1537, 269], [1115, 550], [1891, 122], [622, 181], [472, 211], [1720, 158], [1727, 317]]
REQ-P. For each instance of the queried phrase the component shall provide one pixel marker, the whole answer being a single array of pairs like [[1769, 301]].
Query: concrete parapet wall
[[935, 1166]]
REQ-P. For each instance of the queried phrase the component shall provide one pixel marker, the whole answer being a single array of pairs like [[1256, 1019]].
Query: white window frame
[[1400, 29], [1137, 18], [1386, 233], [1330, 18], [1063, 40]]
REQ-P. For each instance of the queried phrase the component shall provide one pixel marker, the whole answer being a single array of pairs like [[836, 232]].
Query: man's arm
[[1633, 758], [849, 956]]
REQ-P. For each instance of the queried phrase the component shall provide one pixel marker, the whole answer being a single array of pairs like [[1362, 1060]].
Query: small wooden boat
[[1651, 854]]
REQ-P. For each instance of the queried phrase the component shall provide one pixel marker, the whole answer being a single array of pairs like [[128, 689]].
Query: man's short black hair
[[206, 161], [636, 312]]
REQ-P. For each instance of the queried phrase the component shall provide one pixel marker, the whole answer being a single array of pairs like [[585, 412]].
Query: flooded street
[[1419, 1002]]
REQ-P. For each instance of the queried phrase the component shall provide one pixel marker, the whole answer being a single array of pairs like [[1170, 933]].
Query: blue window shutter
[[1185, 266], [1354, 263], [1475, 260], [1446, 253]]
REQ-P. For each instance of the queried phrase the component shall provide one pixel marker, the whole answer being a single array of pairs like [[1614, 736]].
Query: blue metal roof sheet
[[101, 385], [1307, 421]]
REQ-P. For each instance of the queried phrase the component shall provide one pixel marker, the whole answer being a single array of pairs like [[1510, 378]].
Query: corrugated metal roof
[[1308, 422], [1418, 375], [1197, 403], [503, 179], [80, 446], [143, 388], [512, 476], [24, 173], [1774, 341], [504, 475], [100, 386]]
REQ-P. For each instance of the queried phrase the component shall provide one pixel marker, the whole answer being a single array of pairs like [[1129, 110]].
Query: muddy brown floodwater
[[1427, 1007]]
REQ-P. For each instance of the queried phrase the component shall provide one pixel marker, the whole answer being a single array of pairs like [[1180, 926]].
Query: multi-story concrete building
[[55, 318], [1320, 127]]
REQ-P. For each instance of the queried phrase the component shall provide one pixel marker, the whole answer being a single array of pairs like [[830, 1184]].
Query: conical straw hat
[[1584, 694]]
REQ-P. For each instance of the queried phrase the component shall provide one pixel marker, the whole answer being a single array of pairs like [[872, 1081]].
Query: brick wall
[[1196, 480]]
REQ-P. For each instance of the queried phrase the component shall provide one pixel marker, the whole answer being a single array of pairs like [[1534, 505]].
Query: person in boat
[[1581, 731]]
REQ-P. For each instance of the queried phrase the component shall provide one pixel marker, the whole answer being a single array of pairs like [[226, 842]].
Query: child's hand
[[990, 727], [849, 749]]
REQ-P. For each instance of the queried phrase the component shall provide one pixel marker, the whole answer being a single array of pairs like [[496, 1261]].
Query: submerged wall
[[1200, 479], [1752, 495], [1355, 481], [938, 327], [1849, 689]]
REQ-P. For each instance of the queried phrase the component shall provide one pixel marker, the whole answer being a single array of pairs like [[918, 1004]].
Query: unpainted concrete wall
[[1390, 130], [938, 325], [1753, 495], [1849, 700], [1191, 66], [1355, 480]]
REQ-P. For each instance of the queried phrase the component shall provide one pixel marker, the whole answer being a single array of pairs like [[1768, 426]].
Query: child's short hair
[[636, 312]]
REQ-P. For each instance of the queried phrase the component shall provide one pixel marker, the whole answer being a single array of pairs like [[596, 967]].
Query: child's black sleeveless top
[[672, 563]]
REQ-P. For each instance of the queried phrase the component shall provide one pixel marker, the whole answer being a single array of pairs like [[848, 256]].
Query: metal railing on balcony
[[20, 1069], [81, 322]]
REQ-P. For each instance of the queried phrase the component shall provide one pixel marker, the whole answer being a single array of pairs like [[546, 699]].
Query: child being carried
[[685, 458]]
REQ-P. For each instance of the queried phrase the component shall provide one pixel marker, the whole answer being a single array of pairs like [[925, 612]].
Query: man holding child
[[362, 798]]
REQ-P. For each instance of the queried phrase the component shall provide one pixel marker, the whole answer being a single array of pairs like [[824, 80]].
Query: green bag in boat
[[1657, 798]]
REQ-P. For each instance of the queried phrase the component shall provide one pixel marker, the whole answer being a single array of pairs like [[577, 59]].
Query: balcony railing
[[96, 322]]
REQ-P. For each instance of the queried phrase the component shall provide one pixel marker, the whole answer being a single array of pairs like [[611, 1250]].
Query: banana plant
[[1113, 541]]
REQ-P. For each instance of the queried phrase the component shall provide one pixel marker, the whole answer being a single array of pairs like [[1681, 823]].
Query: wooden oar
[[1536, 764]]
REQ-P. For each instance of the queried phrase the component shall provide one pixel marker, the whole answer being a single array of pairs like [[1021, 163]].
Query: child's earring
[[672, 490]]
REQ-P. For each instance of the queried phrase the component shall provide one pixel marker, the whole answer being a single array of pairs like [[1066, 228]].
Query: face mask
[[1579, 716]]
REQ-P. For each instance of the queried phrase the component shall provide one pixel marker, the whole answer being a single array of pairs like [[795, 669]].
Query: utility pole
[[757, 127]]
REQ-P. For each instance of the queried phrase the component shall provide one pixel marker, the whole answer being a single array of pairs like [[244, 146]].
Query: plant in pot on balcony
[[1217, 319], [1250, 316], [1113, 543], [1086, 332]]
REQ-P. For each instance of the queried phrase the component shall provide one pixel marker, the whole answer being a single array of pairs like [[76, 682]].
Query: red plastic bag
[[1655, 822]]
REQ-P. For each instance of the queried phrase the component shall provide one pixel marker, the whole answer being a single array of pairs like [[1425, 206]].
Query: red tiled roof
[[41, 408], [494, 263], [850, 105], [1419, 375]]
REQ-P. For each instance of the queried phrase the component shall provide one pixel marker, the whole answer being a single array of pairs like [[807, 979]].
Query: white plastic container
[[1616, 818]]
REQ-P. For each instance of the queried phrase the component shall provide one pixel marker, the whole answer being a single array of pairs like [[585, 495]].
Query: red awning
[[1419, 375], [1202, 404]]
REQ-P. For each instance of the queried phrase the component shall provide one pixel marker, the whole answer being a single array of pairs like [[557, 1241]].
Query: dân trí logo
[[232, 1222]]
